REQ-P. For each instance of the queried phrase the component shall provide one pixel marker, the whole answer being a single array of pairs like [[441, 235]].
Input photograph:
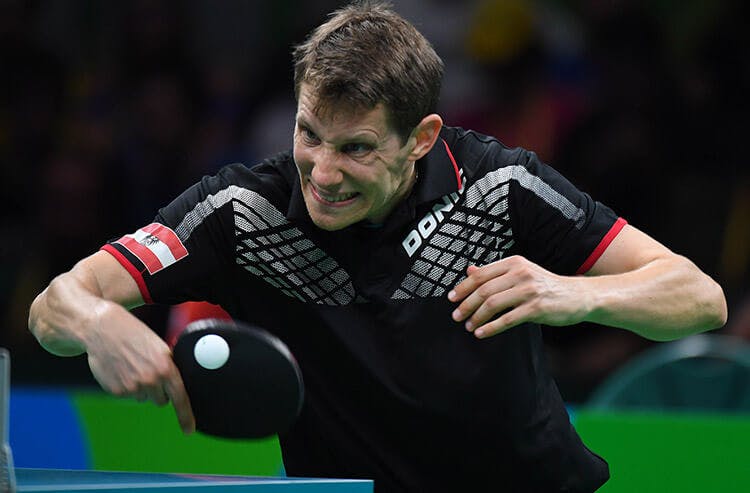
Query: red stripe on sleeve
[[602, 246], [144, 254], [134, 273], [455, 166]]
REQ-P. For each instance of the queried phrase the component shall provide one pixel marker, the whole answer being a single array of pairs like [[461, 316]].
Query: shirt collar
[[438, 174]]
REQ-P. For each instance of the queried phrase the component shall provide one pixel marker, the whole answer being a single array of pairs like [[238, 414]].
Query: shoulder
[[479, 154], [268, 182], [272, 178], [274, 170]]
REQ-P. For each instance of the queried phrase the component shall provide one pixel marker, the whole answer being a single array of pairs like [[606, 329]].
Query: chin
[[326, 226], [329, 224], [332, 220]]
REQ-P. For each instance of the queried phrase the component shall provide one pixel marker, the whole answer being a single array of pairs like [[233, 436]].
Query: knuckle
[[150, 379], [164, 370], [484, 291], [529, 291], [127, 389], [513, 319], [116, 391], [524, 272], [493, 302], [537, 306]]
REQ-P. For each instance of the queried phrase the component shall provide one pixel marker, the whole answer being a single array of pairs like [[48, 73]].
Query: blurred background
[[110, 109]]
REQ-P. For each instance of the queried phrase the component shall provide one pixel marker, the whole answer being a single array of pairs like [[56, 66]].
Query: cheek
[[302, 159]]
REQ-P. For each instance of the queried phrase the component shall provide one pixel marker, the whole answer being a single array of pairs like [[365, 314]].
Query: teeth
[[337, 198]]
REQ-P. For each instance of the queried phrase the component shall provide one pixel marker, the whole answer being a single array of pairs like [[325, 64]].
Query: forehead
[[340, 115]]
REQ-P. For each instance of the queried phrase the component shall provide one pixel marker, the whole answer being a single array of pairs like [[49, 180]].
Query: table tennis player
[[407, 265]]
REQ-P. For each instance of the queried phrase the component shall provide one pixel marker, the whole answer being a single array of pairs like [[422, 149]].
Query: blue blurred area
[[45, 430]]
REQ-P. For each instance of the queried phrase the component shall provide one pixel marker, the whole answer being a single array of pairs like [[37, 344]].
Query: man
[[406, 264]]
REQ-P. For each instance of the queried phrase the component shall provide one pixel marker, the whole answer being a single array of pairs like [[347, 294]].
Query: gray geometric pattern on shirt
[[477, 235], [269, 247], [477, 231]]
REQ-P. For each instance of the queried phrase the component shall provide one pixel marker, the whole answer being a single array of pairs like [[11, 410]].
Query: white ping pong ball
[[211, 351]]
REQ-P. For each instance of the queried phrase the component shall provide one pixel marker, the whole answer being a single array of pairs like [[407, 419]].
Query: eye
[[356, 148], [309, 136]]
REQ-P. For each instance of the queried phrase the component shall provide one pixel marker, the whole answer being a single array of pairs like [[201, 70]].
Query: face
[[352, 165]]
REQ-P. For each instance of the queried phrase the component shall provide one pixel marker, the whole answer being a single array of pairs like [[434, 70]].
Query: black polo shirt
[[395, 390]]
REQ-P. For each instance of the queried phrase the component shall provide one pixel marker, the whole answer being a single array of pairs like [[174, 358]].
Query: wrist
[[93, 324], [592, 300]]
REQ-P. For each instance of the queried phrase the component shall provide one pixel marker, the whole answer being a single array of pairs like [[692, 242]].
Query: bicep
[[630, 250], [106, 277]]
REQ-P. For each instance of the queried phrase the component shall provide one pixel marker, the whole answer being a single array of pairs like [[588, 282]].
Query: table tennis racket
[[248, 386]]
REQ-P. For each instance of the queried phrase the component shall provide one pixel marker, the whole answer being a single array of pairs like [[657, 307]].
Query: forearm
[[64, 315], [84, 310], [665, 299]]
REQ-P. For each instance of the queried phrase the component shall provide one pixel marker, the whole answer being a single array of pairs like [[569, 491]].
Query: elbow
[[706, 311], [36, 325], [710, 304], [714, 312], [720, 312], [39, 324]]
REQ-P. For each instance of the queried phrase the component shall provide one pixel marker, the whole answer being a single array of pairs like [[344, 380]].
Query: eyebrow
[[364, 136]]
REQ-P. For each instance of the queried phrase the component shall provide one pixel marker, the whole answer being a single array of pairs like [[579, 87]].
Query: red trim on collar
[[455, 166]]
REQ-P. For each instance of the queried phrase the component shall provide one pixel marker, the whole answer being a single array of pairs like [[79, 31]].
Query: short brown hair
[[366, 54]]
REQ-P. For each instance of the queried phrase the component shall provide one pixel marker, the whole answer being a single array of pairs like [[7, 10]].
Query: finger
[[479, 297], [175, 391], [464, 287], [476, 276], [159, 396], [149, 392], [504, 322], [493, 305]]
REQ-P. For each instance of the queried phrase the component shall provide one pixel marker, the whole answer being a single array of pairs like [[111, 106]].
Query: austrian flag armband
[[155, 245]]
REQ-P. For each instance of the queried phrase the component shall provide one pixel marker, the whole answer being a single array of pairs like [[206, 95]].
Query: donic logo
[[429, 223]]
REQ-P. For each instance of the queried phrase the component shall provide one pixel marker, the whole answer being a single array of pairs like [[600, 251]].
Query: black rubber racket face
[[258, 391]]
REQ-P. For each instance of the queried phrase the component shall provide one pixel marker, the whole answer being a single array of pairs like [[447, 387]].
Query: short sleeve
[[185, 254], [559, 227]]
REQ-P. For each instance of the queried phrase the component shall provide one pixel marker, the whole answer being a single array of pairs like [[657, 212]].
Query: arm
[[637, 284], [84, 310]]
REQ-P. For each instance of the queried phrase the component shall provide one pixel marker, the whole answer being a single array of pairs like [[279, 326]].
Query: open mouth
[[333, 199]]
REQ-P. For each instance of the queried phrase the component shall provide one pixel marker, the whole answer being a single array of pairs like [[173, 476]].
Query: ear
[[424, 135]]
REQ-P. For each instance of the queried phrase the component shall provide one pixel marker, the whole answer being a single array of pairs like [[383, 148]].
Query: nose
[[326, 170]]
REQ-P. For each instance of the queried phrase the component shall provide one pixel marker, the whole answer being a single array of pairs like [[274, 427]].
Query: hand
[[520, 291], [129, 360]]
